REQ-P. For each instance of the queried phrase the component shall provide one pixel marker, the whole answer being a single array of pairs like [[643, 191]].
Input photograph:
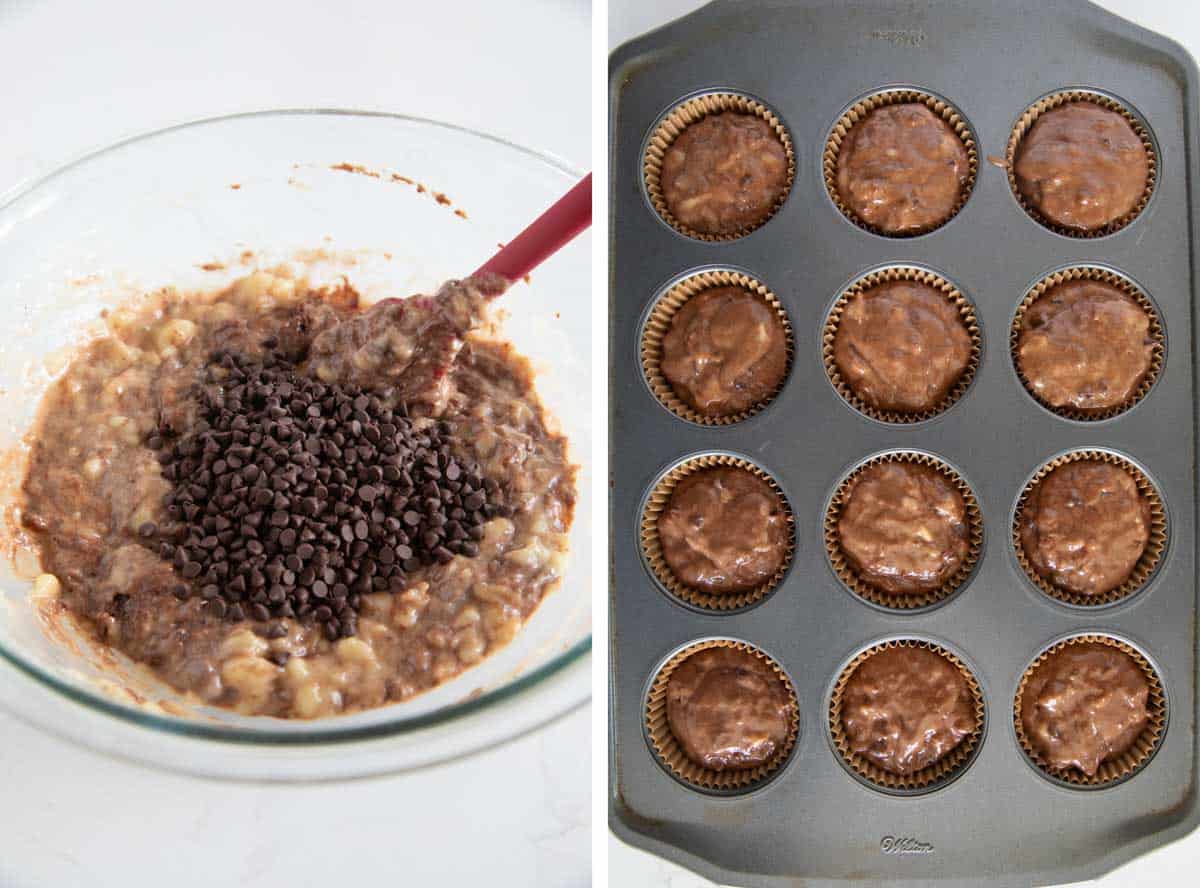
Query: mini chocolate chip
[[312, 486]]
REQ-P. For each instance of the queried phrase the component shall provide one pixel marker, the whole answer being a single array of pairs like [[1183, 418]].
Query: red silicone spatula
[[570, 214], [435, 327]]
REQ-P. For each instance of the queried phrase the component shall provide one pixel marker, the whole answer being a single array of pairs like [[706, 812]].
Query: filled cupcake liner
[[680, 118], [909, 601], [659, 323], [1085, 272], [1151, 556], [668, 750], [1057, 100], [657, 500], [859, 110], [901, 273], [1129, 762], [934, 776]]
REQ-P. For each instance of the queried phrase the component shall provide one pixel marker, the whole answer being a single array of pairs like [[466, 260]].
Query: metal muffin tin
[[1002, 822]]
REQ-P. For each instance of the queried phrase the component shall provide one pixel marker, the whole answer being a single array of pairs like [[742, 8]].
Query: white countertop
[[1172, 865], [79, 75]]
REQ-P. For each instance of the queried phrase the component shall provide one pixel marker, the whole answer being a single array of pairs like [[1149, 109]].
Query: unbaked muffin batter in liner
[[659, 323], [671, 755], [1093, 273], [908, 601], [676, 121], [1056, 100], [1133, 759], [901, 273], [859, 110], [935, 776], [657, 500], [1151, 557]]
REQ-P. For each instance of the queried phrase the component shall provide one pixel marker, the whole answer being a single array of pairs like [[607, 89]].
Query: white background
[[1176, 864], [79, 75]]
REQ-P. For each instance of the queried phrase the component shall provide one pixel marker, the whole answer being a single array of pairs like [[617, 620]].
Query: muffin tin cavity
[[686, 166], [1077, 352], [899, 373], [885, 492], [1074, 208], [905, 689], [747, 347], [1131, 681], [900, 162], [754, 690], [1076, 504], [779, 525]]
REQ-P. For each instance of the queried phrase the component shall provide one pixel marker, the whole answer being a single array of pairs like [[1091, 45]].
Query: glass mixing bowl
[[200, 204]]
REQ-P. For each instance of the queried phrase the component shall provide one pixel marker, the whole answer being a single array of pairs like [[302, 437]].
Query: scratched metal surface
[[1001, 823]]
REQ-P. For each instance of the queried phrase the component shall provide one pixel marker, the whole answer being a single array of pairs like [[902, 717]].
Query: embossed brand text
[[904, 845]]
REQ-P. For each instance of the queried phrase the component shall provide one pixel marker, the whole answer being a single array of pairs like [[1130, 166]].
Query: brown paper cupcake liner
[[1085, 272], [1151, 557], [859, 110], [660, 495], [1056, 100], [901, 273], [659, 323], [671, 754], [1133, 759], [909, 601], [680, 118], [936, 775]]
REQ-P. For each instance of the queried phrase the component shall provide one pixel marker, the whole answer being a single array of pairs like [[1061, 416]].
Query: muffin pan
[[1002, 820]]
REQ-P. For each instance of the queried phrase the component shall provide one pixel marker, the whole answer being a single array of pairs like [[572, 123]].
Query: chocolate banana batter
[[725, 173], [906, 708], [1085, 526], [902, 169], [728, 709], [723, 530], [1082, 166], [116, 532], [1085, 345], [1084, 705], [901, 346], [725, 351], [903, 528]]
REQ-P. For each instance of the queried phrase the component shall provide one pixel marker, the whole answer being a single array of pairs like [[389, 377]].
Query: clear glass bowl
[[151, 211]]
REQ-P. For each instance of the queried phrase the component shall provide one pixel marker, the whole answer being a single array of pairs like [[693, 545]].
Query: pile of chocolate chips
[[292, 497]]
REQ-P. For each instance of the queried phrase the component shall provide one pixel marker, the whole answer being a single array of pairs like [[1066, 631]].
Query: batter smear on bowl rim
[[292, 504]]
